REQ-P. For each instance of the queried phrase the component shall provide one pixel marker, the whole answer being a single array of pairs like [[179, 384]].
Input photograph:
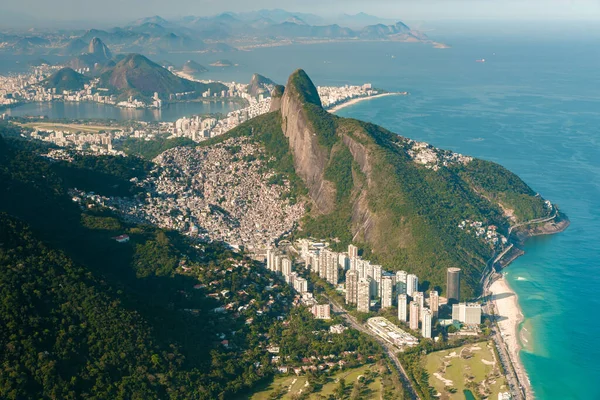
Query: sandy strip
[[361, 99], [507, 308]]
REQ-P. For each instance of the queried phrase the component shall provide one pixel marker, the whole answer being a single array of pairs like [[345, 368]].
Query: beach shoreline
[[352, 102], [510, 318]]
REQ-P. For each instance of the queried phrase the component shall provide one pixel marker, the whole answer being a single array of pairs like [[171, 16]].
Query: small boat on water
[[482, 60]]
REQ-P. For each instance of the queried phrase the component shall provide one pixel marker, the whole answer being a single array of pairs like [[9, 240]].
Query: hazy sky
[[124, 10]]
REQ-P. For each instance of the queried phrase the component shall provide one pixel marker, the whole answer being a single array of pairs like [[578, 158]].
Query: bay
[[88, 110]]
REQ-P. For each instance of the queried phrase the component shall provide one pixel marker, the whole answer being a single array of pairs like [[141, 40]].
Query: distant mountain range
[[219, 33]]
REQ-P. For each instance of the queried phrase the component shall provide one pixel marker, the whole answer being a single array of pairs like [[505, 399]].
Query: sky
[[109, 11]]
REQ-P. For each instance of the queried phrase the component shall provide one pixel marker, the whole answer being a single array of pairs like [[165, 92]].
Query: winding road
[[389, 349]]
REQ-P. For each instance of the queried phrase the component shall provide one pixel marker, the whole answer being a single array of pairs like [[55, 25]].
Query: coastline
[[506, 302], [352, 102], [509, 319]]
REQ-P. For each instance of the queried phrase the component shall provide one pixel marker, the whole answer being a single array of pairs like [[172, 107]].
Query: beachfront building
[[351, 287], [386, 291], [414, 315], [453, 285], [363, 303], [426, 324], [434, 302], [402, 311], [412, 284], [467, 313]]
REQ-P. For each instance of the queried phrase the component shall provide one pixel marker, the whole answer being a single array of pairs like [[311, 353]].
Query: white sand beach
[[510, 316], [361, 99]]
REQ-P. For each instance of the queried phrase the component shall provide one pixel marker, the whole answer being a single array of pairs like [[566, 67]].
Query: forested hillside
[[82, 316]]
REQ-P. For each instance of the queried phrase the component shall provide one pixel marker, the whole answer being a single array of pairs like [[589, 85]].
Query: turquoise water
[[534, 107], [468, 395]]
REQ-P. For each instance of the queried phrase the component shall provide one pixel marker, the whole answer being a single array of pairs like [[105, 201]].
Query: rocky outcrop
[[276, 97], [310, 158], [260, 85], [98, 49]]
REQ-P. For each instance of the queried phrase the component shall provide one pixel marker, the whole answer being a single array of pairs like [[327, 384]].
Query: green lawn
[[473, 365], [288, 386]]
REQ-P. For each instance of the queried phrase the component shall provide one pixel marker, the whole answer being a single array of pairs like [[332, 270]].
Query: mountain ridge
[[400, 200]]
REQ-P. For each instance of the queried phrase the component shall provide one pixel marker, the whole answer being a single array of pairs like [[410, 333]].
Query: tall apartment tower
[[363, 302], [332, 269], [426, 325], [401, 282], [387, 287], [402, 311], [414, 315], [412, 284], [286, 266], [352, 251], [434, 303], [270, 257], [277, 263], [376, 275], [453, 285], [351, 287]]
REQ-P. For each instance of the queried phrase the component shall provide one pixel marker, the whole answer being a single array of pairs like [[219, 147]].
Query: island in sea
[[297, 246]]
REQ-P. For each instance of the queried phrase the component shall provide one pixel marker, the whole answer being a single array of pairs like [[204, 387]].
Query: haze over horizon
[[43, 13]]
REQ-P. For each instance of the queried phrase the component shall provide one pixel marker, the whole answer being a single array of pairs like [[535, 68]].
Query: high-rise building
[[419, 298], [270, 258], [322, 311], [363, 303], [351, 287], [301, 285], [291, 278], [277, 263], [376, 275], [467, 313], [323, 256], [402, 311], [344, 261], [412, 284], [314, 266], [401, 282], [387, 289], [414, 315], [453, 285], [434, 303], [286, 266], [352, 251], [332, 268], [426, 325]]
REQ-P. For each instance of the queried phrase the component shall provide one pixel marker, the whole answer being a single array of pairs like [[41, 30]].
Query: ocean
[[534, 107]]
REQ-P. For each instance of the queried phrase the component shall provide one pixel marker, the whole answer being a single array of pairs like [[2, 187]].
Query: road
[[533, 221], [389, 349], [516, 389]]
